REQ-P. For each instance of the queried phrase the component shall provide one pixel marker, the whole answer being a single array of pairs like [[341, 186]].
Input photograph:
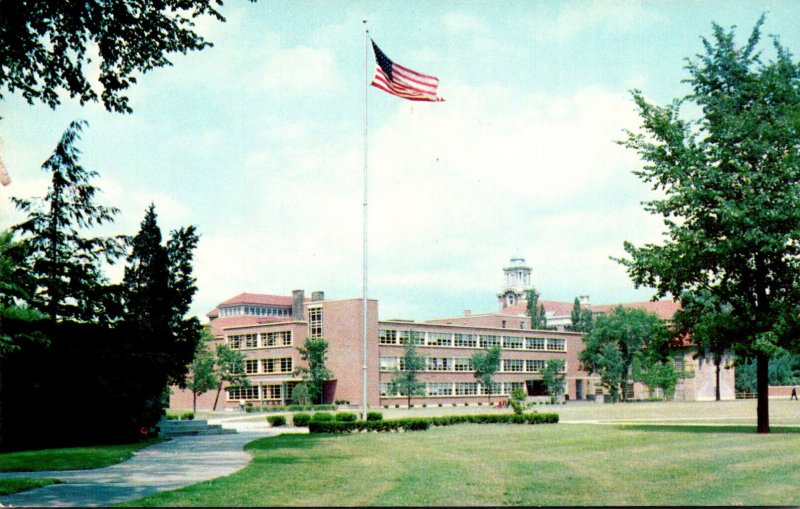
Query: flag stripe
[[402, 90], [5, 178]]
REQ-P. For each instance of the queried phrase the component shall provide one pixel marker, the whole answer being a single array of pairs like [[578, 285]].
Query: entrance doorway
[[536, 388], [578, 389]]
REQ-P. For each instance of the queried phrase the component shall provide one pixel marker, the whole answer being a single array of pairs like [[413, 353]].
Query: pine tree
[[68, 282]]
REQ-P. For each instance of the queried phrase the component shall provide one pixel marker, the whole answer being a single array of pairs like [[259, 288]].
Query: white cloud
[[301, 70], [610, 16], [457, 23]]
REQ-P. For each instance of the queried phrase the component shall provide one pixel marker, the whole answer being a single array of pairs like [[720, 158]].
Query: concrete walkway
[[165, 466]]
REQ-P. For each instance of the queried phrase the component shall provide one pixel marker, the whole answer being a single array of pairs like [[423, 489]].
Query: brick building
[[267, 329]]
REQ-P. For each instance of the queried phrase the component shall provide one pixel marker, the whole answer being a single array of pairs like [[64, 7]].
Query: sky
[[260, 143]]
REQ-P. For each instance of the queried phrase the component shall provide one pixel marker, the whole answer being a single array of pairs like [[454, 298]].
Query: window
[[678, 363], [495, 388], [513, 342], [237, 393], [386, 388], [462, 364], [277, 365], [466, 340], [489, 341], [315, 322], [466, 388], [556, 345], [510, 386], [534, 365], [515, 365], [271, 391], [387, 337], [438, 364], [418, 338], [521, 325], [440, 339], [234, 342], [439, 389], [277, 338], [389, 363], [251, 366], [534, 343], [504, 324], [251, 340]]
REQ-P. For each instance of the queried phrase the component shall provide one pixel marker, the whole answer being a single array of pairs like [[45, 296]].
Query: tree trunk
[[717, 362], [762, 387], [194, 402], [216, 398]]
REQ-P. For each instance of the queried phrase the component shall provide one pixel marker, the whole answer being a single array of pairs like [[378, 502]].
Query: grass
[[9, 486], [564, 464], [72, 458]]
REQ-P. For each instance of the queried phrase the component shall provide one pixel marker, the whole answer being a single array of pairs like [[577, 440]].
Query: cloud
[[609, 16], [301, 70], [458, 23]]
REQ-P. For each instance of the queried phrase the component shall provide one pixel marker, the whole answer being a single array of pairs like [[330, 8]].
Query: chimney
[[298, 305], [467, 312], [317, 296], [584, 300]]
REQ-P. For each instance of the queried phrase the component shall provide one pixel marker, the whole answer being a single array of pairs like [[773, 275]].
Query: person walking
[[794, 394]]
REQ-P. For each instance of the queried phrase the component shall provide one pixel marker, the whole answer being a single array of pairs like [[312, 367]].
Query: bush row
[[423, 423], [467, 403], [302, 419], [182, 416], [289, 408], [276, 420]]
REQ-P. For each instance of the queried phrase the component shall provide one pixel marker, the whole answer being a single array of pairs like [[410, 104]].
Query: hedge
[[345, 416], [322, 416], [301, 419], [422, 423], [276, 420], [374, 416]]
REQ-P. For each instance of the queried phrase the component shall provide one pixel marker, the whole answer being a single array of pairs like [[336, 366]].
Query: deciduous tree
[[730, 179], [229, 369], [615, 340], [485, 365], [315, 352], [406, 380], [48, 48], [553, 376]]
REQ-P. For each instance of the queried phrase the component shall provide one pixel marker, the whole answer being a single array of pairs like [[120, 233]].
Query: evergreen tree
[[485, 365], [314, 351], [581, 317], [730, 180], [535, 311], [406, 380], [65, 266]]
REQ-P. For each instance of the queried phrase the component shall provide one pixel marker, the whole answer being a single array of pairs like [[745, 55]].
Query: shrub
[[276, 420], [345, 417], [187, 416], [374, 416], [322, 417], [440, 404], [420, 424], [385, 406], [301, 419]]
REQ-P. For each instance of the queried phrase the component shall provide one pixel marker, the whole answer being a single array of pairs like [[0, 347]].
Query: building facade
[[268, 329]]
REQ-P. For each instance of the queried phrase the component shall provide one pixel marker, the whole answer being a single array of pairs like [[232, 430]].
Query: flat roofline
[[460, 326]]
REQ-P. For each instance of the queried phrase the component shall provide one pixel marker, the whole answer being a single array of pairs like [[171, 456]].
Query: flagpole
[[364, 295]]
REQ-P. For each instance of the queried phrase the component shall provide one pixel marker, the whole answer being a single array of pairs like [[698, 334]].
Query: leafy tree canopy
[[50, 47], [405, 380], [730, 181], [485, 365], [315, 352]]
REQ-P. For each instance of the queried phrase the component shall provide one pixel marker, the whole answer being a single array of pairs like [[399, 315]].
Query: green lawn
[[563, 464], [72, 458], [9, 486]]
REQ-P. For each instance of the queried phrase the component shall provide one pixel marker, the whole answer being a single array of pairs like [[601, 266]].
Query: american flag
[[402, 81]]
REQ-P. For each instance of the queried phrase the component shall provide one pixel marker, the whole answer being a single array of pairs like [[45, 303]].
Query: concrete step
[[191, 428]]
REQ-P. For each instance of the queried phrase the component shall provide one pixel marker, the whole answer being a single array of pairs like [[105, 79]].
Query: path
[[165, 466]]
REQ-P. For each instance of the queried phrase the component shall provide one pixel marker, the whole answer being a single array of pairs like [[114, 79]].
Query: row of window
[[465, 364], [259, 392], [402, 337], [457, 389], [268, 366], [262, 340], [255, 311]]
